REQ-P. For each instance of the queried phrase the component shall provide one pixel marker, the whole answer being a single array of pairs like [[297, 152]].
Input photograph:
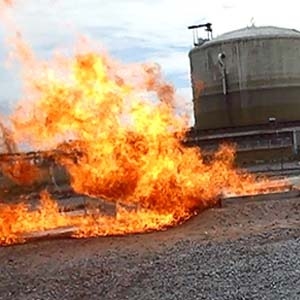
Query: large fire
[[121, 123]]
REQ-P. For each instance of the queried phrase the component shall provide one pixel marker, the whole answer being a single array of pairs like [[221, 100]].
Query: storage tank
[[246, 77]]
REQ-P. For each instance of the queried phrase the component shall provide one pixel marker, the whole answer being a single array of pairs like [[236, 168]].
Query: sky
[[135, 31]]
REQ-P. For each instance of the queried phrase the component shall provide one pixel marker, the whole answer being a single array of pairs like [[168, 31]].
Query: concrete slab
[[260, 197]]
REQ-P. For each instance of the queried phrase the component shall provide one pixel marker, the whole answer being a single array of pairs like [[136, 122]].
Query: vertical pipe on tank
[[239, 67], [221, 57], [295, 143]]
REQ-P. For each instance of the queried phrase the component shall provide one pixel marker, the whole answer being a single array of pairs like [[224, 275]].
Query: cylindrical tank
[[246, 77]]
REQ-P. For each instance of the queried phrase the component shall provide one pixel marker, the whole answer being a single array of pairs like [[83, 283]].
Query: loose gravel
[[238, 252]]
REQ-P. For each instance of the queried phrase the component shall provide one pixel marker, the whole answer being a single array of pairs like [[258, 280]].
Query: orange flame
[[17, 221], [128, 149], [122, 124], [20, 171], [130, 146]]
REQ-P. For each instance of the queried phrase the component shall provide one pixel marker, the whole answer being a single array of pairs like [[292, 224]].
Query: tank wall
[[257, 70]]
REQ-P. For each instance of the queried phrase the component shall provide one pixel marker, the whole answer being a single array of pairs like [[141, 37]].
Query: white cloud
[[171, 61], [156, 23], [157, 26]]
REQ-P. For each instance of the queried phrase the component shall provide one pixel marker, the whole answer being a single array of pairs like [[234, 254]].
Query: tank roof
[[251, 32], [254, 32]]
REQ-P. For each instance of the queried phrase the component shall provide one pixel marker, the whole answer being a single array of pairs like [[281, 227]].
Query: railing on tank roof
[[208, 28]]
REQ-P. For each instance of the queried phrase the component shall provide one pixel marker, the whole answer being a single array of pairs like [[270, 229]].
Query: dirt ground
[[243, 251]]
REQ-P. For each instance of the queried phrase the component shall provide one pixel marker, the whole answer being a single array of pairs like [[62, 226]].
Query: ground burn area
[[243, 251]]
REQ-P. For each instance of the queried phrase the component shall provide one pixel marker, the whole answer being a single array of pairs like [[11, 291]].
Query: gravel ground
[[248, 251]]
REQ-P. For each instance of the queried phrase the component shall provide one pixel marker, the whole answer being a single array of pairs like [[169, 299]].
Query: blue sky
[[136, 30]]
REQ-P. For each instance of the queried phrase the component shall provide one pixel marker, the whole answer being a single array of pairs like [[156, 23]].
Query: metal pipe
[[221, 57], [295, 144]]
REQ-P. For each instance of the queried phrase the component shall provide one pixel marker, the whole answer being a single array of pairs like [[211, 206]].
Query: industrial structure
[[246, 91]]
